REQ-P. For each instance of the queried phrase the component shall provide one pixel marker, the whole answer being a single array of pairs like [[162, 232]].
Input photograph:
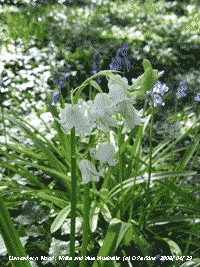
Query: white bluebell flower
[[104, 152], [89, 172], [76, 116]]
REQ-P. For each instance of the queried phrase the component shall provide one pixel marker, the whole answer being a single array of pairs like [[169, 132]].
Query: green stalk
[[120, 142], [136, 173], [86, 229], [73, 197], [11, 238], [142, 216], [83, 263], [172, 150]]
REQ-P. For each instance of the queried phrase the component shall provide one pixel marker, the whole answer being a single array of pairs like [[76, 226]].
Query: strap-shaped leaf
[[114, 236], [24, 173], [57, 175], [11, 238], [95, 85], [94, 214], [59, 220]]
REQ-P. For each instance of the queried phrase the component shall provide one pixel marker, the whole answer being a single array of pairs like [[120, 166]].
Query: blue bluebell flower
[[59, 82], [116, 63], [56, 96], [197, 98], [95, 67], [181, 92], [159, 90]]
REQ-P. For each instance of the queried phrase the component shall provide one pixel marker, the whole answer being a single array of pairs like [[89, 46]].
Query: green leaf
[[188, 154], [114, 236], [24, 172], [60, 219], [95, 85], [147, 80], [94, 214], [126, 143], [151, 77], [154, 161], [193, 263], [139, 95], [137, 86], [146, 64], [44, 194], [38, 143], [143, 178], [128, 237], [175, 250], [178, 191], [11, 238], [164, 154], [140, 241], [54, 173], [105, 212], [25, 151]]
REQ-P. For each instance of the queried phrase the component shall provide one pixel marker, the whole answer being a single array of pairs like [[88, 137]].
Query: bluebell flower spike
[[56, 96], [197, 98], [181, 92], [159, 90], [60, 82]]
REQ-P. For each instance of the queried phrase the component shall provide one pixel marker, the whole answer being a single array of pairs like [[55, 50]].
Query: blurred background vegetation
[[80, 38]]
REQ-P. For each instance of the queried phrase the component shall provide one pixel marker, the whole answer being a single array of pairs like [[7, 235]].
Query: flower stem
[[142, 216], [120, 142], [83, 263], [73, 196]]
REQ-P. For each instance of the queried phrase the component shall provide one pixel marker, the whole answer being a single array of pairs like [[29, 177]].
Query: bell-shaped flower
[[118, 88], [89, 172], [76, 116], [104, 152], [56, 96], [131, 115], [102, 105], [124, 100], [59, 79], [117, 79], [197, 97], [101, 110], [181, 92], [159, 90], [106, 121], [117, 94]]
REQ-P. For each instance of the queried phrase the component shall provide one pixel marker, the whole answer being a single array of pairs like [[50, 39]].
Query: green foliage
[[150, 35]]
